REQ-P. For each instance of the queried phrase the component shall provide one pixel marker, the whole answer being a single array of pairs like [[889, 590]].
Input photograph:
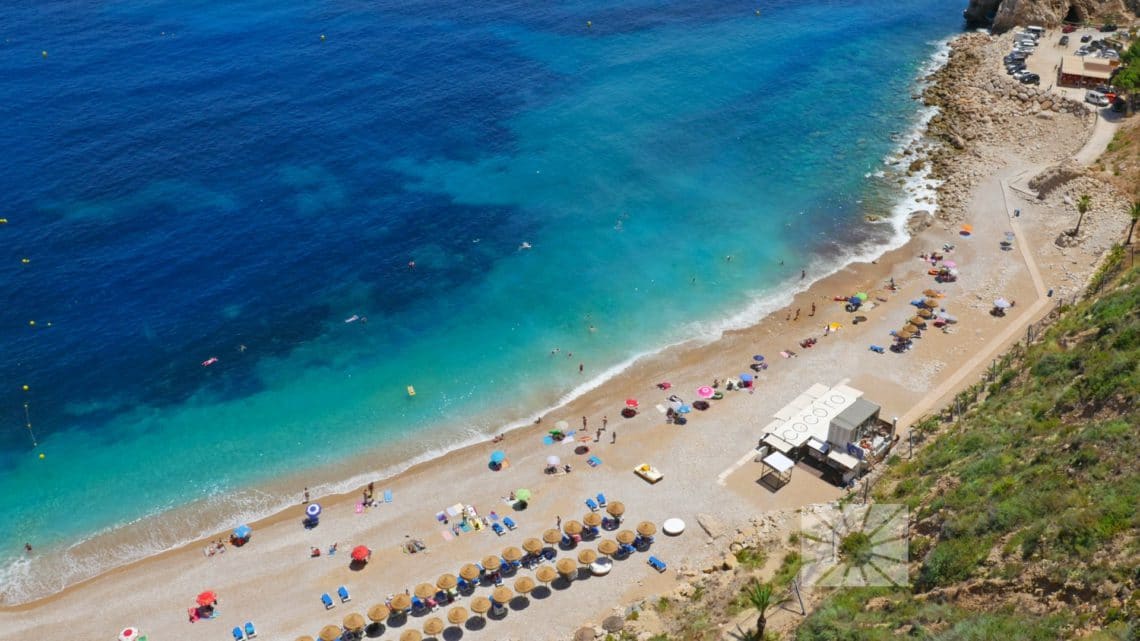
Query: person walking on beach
[[558, 522], [305, 496], [605, 420], [797, 314], [803, 274], [598, 435], [812, 310], [613, 437], [583, 422]]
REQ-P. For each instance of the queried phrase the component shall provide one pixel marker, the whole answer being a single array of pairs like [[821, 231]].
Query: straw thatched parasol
[[502, 594], [480, 605], [551, 536], [305, 638], [469, 572], [446, 582], [572, 527], [425, 590], [617, 508], [411, 635], [354, 622], [925, 313], [584, 634], [587, 556], [906, 332], [433, 626], [930, 292], [379, 613], [545, 574], [645, 528], [566, 567], [532, 545], [512, 554], [524, 584], [401, 602], [491, 563], [625, 537], [457, 615], [607, 547], [918, 321], [930, 302], [592, 519], [329, 633]]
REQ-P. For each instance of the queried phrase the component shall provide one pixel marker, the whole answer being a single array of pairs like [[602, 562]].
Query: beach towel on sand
[[446, 534], [387, 496]]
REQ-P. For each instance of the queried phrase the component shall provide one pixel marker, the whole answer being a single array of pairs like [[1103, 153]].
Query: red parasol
[[207, 598], [631, 402], [360, 553]]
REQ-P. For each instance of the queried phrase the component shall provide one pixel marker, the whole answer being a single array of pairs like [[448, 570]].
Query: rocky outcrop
[[1003, 15], [1055, 176]]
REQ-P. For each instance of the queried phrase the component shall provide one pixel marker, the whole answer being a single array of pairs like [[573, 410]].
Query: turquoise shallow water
[[188, 179]]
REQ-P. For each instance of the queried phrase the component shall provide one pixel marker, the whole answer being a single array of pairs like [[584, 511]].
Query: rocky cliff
[[1006, 14]]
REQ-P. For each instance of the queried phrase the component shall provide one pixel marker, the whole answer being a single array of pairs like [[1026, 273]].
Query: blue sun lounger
[[592, 505], [250, 631], [238, 636], [656, 563], [601, 498], [498, 529], [327, 600], [342, 592], [593, 461], [877, 349], [509, 522], [387, 496]]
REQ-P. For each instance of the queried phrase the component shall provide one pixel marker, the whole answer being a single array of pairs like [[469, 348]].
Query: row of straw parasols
[[481, 605]]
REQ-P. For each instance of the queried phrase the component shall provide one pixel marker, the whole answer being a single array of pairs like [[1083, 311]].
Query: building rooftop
[[856, 414]]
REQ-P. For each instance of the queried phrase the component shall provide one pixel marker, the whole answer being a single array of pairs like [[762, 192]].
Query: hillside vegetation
[[1024, 515]]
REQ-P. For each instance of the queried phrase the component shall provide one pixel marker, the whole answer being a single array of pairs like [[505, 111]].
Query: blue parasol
[[758, 357], [242, 532], [314, 510], [684, 409], [747, 378], [498, 456]]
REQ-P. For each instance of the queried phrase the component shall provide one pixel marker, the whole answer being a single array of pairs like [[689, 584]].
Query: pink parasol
[[705, 392]]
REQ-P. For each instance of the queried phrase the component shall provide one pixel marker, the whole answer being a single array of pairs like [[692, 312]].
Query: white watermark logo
[[855, 545]]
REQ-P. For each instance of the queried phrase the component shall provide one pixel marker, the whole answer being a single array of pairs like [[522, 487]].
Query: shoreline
[[338, 489]]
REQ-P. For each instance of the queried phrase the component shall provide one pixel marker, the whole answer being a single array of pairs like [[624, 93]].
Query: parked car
[[1021, 72], [1106, 89], [1064, 41], [1096, 98], [1086, 38], [1030, 79], [1012, 69], [1108, 28], [1069, 28], [1081, 51]]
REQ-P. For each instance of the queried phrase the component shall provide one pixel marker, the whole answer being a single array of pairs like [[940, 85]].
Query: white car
[[1096, 98], [1083, 51]]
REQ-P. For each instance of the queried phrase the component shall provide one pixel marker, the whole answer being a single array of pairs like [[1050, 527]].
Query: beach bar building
[[834, 427], [1085, 71]]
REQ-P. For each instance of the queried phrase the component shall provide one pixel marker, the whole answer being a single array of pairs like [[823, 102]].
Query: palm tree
[[1135, 213], [1083, 205], [760, 596]]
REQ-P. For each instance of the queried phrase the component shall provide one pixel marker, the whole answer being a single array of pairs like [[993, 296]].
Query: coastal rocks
[[711, 525], [1045, 182], [918, 221], [1007, 14]]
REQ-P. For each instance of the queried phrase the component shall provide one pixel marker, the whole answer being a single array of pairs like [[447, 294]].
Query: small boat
[[411, 391], [209, 361]]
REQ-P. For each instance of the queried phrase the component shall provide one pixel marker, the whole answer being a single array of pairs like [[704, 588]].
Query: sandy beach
[[707, 463]]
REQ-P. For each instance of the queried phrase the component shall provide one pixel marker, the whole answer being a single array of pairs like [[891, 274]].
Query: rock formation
[[1003, 15]]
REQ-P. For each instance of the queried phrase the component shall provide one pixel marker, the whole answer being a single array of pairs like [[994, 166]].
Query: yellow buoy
[[26, 388], [322, 37], [25, 260], [44, 53], [42, 457], [32, 323], [589, 24], [411, 391], [3, 221]]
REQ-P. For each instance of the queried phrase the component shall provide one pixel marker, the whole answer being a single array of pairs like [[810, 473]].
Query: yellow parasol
[[446, 582], [925, 313], [918, 321], [425, 590], [551, 536], [930, 302], [502, 594], [532, 545], [587, 556], [617, 508], [480, 605], [401, 602], [379, 613], [512, 554], [524, 584], [607, 547], [572, 527], [625, 537], [645, 528], [469, 572], [457, 615], [433, 626], [545, 574], [329, 633], [491, 563], [566, 567], [354, 622], [410, 635], [592, 519]]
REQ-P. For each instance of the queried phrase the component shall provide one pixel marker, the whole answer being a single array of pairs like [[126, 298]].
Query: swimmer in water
[[525, 245]]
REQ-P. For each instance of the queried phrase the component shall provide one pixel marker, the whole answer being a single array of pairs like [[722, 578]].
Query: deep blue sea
[[191, 180]]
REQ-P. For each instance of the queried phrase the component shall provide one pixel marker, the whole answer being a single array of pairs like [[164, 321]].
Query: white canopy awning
[[778, 462], [799, 421], [847, 461], [778, 444]]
